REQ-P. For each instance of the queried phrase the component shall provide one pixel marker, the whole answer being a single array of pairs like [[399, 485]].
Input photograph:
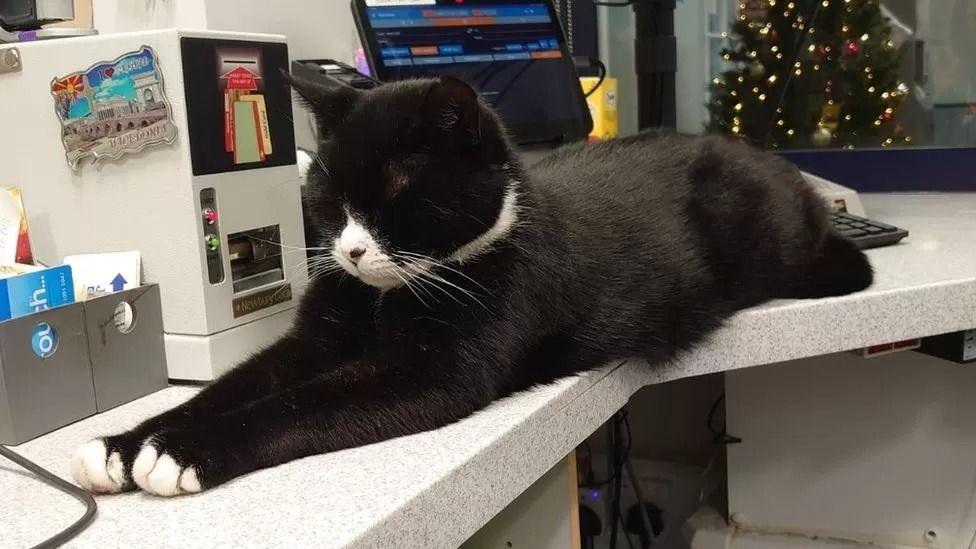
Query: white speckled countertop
[[435, 489]]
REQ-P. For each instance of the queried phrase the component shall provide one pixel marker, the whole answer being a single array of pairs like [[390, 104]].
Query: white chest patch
[[507, 218], [358, 251]]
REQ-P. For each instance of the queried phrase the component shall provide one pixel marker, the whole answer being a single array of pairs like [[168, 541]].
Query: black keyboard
[[865, 232]]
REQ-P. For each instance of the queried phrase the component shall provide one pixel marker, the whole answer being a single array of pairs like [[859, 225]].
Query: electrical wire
[[601, 75], [81, 495], [608, 4], [720, 436], [630, 543], [621, 454], [617, 478], [570, 33]]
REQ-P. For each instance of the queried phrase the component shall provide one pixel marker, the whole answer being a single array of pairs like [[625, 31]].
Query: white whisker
[[436, 281], [295, 248], [409, 287], [419, 278], [318, 160], [440, 279], [433, 263]]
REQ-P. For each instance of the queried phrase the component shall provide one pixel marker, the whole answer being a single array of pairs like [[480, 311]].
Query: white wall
[[315, 28], [877, 450], [616, 29], [691, 79]]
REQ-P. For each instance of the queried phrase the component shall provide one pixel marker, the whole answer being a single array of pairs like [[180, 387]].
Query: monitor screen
[[238, 106], [513, 52]]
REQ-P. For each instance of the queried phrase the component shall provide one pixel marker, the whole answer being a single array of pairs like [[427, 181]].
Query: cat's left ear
[[330, 106], [459, 110]]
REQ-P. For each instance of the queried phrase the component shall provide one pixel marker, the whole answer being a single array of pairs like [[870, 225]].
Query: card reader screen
[[238, 105], [512, 52]]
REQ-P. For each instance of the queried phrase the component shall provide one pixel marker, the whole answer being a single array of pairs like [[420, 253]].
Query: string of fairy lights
[[844, 61]]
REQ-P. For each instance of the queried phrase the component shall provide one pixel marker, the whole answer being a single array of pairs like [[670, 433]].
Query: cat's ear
[[330, 106], [458, 109]]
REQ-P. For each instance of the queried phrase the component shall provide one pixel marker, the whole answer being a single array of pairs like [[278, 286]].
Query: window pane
[[837, 74]]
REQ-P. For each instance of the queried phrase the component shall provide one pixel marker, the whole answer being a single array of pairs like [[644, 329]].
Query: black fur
[[636, 247]]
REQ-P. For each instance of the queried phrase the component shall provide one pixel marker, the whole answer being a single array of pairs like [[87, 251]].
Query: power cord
[[81, 495], [719, 436], [602, 75], [621, 4], [601, 70], [620, 454]]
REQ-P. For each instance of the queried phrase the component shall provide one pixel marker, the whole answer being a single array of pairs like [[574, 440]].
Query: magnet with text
[[113, 108]]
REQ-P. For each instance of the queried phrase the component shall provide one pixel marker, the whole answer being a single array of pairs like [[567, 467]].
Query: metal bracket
[[10, 60]]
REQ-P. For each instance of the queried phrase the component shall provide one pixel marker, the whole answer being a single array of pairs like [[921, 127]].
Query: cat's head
[[408, 176]]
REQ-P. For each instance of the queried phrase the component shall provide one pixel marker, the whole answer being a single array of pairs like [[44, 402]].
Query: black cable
[[630, 439], [601, 75], [622, 4], [81, 495], [589, 462], [619, 455], [615, 488], [625, 421], [791, 69], [630, 543], [721, 437]]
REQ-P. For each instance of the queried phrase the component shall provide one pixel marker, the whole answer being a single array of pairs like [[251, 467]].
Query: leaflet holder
[[64, 364]]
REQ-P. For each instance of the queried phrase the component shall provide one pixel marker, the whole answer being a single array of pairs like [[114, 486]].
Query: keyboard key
[[865, 233]]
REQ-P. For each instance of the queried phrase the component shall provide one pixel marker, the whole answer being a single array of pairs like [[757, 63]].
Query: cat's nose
[[355, 253]]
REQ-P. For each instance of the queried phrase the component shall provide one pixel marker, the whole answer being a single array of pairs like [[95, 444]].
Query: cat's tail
[[839, 268]]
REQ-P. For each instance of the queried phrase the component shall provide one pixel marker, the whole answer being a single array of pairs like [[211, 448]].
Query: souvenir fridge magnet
[[113, 108]]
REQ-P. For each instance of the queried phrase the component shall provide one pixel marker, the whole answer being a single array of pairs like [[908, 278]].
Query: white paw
[[161, 475], [95, 471]]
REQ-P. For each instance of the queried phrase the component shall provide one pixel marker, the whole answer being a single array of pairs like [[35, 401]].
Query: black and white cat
[[451, 276]]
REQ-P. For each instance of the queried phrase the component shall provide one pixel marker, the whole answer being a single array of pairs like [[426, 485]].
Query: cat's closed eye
[[401, 171]]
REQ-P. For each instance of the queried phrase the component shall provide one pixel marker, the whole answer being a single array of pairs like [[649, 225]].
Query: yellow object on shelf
[[603, 106]]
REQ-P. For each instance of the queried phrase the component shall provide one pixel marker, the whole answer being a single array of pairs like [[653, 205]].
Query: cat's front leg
[[362, 402], [104, 465], [333, 324]]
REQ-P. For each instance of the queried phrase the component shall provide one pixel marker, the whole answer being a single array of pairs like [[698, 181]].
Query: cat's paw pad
[[97, 469], [159, 473]]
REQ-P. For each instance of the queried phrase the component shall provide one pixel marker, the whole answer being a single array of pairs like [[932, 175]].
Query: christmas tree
[[809, 73]]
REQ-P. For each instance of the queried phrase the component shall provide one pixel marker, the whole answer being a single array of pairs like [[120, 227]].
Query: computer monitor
[[512, 51]]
